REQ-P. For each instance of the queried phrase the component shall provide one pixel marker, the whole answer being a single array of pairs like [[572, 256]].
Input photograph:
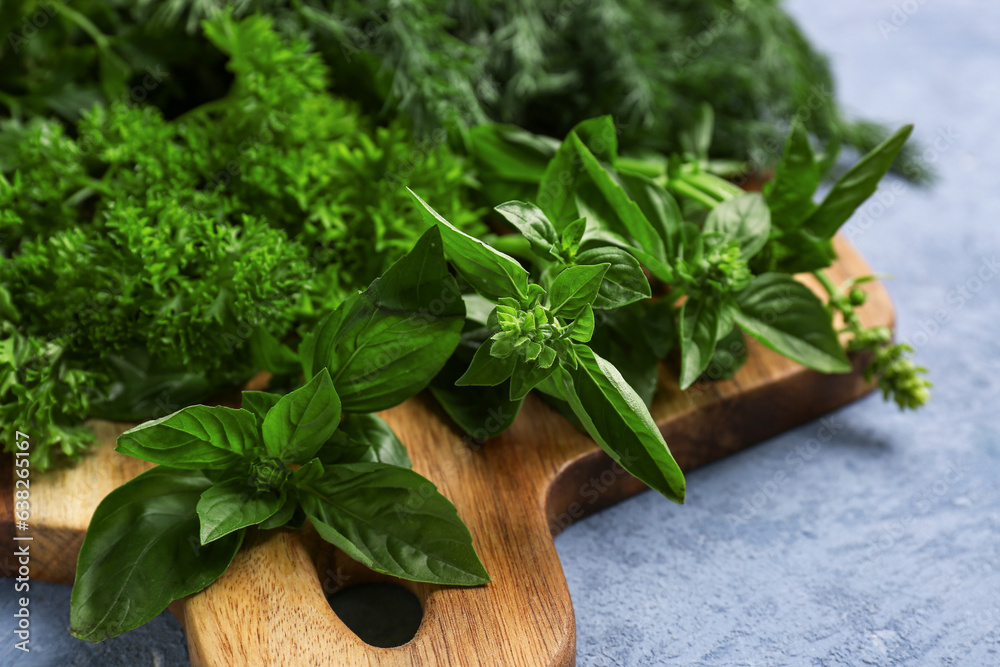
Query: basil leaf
[[789, 194], [142, 551], [534, 226], [487, 270], [395, 522], [527, 376], [660, 209], [727, 316], [619, 422], [268, 354], [787, 317], [659, 327], [619, 342], [510, 152], [301, 421], [196, 437], [364, 437], [312, 471], [139, 384], [583, 326], [697, 138], [259, 402], [564, 175], [624, 282], [234, 504], [699, 326], [557, 187], [744, 219], [575, 288], [799, 251], [487, 370], [284, 513], [728, 357], [854, 187], [571, 237], [481, 412], [616, 211], [386, 344], [600, 136]]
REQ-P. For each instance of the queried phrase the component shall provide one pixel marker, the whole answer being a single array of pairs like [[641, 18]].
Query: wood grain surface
[[515, 493]]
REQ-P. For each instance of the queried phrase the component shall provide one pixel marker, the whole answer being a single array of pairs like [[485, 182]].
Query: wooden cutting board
[[515, 493]]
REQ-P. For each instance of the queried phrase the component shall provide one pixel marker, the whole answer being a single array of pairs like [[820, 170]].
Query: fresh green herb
[[315, 452], [722, 258], [151, 263], [543, 66], [537, 342]]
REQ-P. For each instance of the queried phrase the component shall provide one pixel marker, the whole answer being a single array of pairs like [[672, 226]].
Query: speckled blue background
[[879, 546]]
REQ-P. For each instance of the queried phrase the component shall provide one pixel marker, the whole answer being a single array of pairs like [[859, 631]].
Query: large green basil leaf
[[487, 270], [744, 219], [142, 551], [394, 521], [660, 208], [600, 136], [139, 384], [384, 345], [301, 421], [789, 194], [197, 437], [364, 438], [623, 284], [233, 504], [616, 212], [618, 420], [699, 330], [787, 317], [556, 189], [564, 174], [575, 288], [854, 187]]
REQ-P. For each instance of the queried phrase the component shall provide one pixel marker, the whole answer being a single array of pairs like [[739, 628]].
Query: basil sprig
[[537, 333], [723, 258], [315, 453]]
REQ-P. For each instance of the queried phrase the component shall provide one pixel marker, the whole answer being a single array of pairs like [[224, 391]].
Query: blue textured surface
[[878, 545], [881, 548]]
